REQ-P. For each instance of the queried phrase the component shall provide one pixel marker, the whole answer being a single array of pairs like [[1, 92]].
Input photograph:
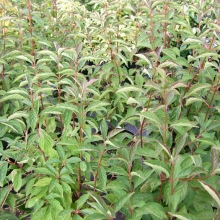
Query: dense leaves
[[109, 108]]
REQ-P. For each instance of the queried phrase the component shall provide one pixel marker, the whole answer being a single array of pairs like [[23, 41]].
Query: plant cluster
[[109, 109]]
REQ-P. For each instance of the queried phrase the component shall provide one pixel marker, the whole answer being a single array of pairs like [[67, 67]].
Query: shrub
[[109, 109]]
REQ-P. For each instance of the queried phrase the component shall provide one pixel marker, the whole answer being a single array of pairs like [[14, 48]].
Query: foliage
[[73, 81]]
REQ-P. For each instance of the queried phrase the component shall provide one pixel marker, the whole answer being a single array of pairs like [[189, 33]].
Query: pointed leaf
[[3, 172], [33, 119], [213, 193], [152, 117], [169, 53], [196, 88], [156, 210], [102, 176], [143, 60], [130, 89], [18, 114], [8, 215], [3, 193], [45, 141], [180, 144], [165, 148], [21, 57], [104, 128], [12, 96], [17, 181], [43, 182], [122, 201], [101, 203], [82, 200], [214, 158], [114, 132], [183, 123], [159, 168], [179, 216], [193, 100]]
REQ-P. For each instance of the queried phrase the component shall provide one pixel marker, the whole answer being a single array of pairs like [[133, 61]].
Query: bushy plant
[[109, 109]]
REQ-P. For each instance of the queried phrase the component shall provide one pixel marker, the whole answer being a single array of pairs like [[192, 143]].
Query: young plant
[[109, 109]]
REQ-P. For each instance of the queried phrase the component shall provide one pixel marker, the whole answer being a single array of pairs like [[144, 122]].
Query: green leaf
[[169, 97], [116, 184], [3, 194], [21, 57], [192, 40], [42, 76], [182, 216], [18, 114], [152, 85], [66, 212], [104, 208], [40, 214], [96, 106], [196, 88], [205, 215], [168, 64], [207, 141], [180, 193], [165, 148], [193, 100], [122, 58], [169, 53], [51, 125], [67, 116], [81, 201], [102, 176], [180, 144], [73, 160], [3, 172], [142, 176], [42, 170], [155, 209], [96, 216], [104, 128], [114, 132], [45, 142], [183, 123], [17, 181], [43, 182], [118, 171], [83, 166], [158, 168], [132, 101], [7, 215], [214, 158], [29, 186], [52, 110], [61, 152], [143, 60], [33, 119], [12, 96], [122, 201], [55, 204], [178, 85], [38, 20], [130, 89], [51, 169], [66, 178], [31, 202], [48, 52], [182, 61], [152, 117], [212, 192], [208, 54]]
